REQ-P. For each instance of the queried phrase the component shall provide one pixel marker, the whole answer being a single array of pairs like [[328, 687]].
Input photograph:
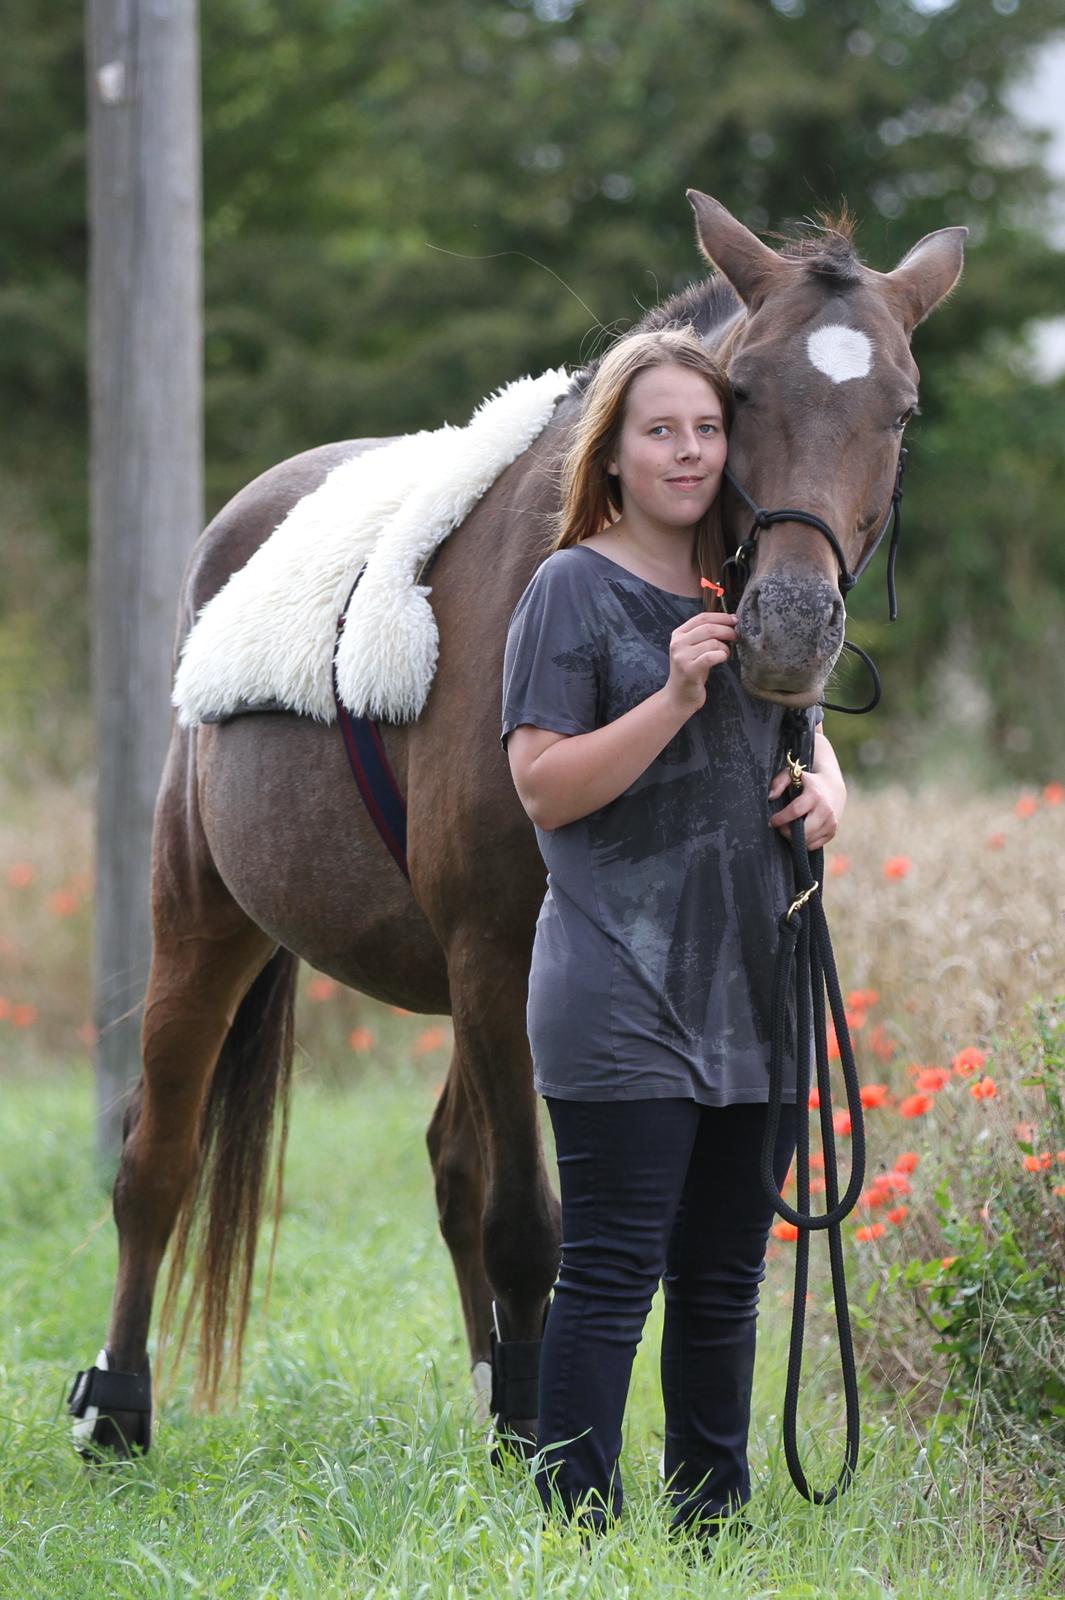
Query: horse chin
[[781, 694]]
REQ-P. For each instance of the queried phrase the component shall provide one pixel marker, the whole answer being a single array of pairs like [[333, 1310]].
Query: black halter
[[736, 569]]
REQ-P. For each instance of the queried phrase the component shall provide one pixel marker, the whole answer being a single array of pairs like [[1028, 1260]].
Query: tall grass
[[352, 1465]]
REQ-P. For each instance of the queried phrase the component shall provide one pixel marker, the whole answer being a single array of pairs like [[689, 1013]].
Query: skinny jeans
[[655, 1190]]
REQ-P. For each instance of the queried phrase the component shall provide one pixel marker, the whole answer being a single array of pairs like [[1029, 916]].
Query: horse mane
[[825, 250]]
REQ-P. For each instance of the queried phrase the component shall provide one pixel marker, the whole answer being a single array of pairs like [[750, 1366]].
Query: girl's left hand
[[820, 800]]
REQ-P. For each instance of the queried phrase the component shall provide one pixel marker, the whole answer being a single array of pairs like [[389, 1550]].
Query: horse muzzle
[[789, 636]]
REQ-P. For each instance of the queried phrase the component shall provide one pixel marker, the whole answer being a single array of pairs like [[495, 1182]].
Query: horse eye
[[911, 411], [739, 394]]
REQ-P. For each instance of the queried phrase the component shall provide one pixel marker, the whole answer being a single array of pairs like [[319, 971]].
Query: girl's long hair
[[591, 496]]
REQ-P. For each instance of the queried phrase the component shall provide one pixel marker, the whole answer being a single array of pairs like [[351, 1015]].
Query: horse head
[[824, 384]]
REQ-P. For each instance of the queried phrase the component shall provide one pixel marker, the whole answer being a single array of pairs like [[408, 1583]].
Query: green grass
[[352, 1466]]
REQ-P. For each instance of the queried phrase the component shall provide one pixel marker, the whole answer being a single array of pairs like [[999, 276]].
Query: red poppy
[[916, 1105], [871, 1230], [897, 866], [874, 1094], [968, 1061], [986, 1089]]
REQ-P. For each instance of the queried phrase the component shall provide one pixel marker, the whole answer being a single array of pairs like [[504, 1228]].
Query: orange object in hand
[[706, 583]]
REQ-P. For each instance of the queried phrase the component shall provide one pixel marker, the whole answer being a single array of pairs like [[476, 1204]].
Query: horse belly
[[291, 839]]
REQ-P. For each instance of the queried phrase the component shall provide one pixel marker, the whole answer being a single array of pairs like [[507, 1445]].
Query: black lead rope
[[805, 963], [806, 966]]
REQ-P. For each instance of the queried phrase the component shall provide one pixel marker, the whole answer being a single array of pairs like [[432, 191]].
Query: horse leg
[[459, 1179], [520, 1222], [213, 988]]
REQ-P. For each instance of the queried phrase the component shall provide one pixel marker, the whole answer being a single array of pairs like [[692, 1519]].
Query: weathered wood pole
[[146, 429]]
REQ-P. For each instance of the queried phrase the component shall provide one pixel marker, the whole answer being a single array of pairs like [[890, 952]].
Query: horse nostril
[[838, 619]]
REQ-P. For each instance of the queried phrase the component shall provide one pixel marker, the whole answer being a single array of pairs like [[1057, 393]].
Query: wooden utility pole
[[146, 418]]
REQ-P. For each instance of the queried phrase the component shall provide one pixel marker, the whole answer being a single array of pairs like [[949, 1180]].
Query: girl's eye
[[659, 427]]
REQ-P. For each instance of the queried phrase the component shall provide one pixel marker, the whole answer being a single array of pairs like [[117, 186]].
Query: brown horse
[[262, 854]]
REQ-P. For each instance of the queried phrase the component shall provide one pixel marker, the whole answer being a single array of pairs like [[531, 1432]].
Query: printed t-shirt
[[652, 964]]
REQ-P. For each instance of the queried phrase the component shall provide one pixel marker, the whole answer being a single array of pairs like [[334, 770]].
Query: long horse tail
[[223, 1206]]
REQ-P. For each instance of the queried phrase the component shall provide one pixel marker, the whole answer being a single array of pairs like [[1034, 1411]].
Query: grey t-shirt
[[653, 959]]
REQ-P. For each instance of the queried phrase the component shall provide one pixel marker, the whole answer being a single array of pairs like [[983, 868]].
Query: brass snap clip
[[796, 768], [798, 903]]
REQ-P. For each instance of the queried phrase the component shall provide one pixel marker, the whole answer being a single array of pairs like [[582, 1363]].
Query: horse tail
[[223, 1206]]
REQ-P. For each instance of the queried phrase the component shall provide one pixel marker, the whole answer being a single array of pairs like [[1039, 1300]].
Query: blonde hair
[[591, 496]]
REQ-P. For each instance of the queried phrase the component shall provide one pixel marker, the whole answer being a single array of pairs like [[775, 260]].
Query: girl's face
[[672, 447]]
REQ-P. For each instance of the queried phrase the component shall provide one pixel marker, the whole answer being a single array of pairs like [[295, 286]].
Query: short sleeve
[[551, 666]]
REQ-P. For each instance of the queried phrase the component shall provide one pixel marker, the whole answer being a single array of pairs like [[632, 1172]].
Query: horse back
[[248, 520]]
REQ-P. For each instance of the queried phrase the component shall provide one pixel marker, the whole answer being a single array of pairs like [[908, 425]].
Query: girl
[[647, 771]]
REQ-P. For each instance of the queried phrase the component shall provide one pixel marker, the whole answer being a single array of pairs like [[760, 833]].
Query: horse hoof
[[113, 1412]]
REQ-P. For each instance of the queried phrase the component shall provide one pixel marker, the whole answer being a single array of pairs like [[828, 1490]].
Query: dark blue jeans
[[656, 1190]]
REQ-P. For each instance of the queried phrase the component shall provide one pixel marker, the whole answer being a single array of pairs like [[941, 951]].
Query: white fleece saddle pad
[[268, 636]]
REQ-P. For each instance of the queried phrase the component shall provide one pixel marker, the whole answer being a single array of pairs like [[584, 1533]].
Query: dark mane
[[826, 249], [703, 306]]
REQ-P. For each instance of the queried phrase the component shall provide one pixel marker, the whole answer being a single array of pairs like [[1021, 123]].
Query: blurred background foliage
[[407, 205]]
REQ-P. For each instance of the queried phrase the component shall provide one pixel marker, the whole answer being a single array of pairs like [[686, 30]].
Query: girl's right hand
[[704, 641]]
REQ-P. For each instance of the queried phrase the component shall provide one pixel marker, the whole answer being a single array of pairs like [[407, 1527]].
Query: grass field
[[352, 1466]]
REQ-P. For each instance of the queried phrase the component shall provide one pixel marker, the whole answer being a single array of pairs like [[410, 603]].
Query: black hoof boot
[[113, 1411], [515, 1401]]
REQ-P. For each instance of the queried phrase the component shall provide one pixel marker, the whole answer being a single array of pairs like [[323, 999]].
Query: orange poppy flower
[[24, 1015], [785, 1230], [1038, 1163], [874, 1094], [862, 999], [20, 875], [361, 1039], [931, 1079], [871, 1230], [1059, 1189], [908, 1161], [814, 1100], [881, 1044], [63, 903], [842, 1122], [838, 865], [986, 1089], [996, 841], [430, 1039], [898, 1214], [1054, 794], [321, 988], [968, 1061], [916, 1105], [897, 866], [947, 1261], [817, 1185], [1025, 1131], [832, 1041], [817, 1161], [854, 1018], [1026, 806]]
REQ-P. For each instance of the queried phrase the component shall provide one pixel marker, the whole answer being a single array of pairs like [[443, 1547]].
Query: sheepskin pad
[[268, 636]]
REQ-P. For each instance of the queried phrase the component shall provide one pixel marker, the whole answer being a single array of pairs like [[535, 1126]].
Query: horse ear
[[927, 274], [748, 264]]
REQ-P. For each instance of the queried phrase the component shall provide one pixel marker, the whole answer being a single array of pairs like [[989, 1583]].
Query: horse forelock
[[706, 306]]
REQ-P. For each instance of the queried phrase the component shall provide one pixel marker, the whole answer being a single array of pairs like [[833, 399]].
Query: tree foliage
[[406, 205]]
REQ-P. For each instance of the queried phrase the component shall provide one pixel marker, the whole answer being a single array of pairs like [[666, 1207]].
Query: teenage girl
[[648, 772]]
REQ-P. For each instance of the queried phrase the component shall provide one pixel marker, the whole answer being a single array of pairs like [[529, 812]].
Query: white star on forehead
[[840, 352]]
